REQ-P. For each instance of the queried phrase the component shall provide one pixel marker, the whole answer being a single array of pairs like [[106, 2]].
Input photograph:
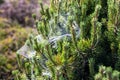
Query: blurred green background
[[16, 23]]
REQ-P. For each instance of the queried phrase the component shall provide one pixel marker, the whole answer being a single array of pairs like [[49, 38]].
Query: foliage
[[74, 38], [106, 73]]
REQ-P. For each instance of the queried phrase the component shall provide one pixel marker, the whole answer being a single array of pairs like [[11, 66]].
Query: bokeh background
[[16, 23]]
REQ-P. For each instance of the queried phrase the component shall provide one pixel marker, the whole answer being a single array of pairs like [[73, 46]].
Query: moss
[[3, 59], [12, 37]]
